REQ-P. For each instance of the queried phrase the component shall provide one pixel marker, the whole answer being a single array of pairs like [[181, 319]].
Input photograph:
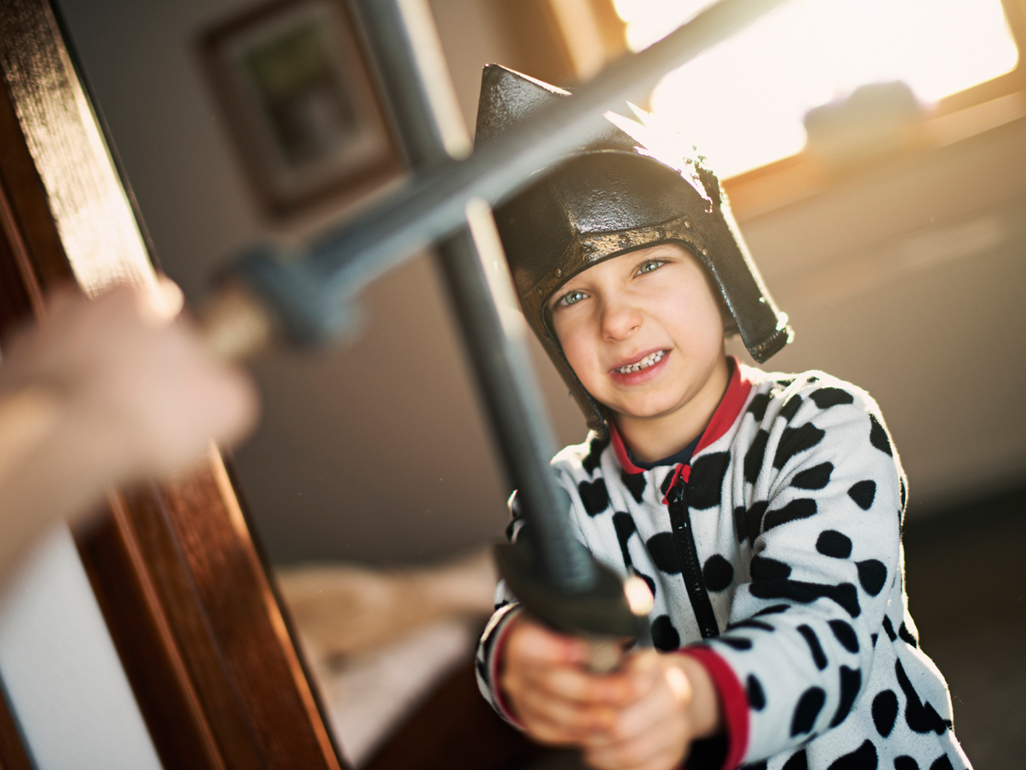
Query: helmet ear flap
[[729, 322]]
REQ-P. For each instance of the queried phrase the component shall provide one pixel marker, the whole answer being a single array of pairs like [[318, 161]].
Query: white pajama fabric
[[788, 527]]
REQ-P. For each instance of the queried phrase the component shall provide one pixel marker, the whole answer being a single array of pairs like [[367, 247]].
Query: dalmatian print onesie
[[775, 559]]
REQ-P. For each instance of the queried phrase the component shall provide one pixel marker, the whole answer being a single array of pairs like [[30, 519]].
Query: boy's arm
[[824, 528], [493, 639], [490, 650]]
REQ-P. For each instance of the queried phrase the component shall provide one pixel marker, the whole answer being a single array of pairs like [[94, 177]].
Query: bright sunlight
[[743, 103]]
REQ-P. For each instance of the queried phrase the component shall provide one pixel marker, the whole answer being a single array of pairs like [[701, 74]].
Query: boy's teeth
[[644, 363]]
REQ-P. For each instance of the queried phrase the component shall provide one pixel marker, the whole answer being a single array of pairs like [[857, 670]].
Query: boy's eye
[[649, 265], [570, 298]]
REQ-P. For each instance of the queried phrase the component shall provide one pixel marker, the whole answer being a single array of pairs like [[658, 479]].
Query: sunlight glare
[[742, 103]]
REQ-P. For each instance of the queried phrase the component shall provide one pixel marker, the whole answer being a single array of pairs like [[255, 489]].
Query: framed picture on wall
[[300, 103]]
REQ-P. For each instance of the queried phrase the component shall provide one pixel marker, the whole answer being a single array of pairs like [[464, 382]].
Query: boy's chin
[[645, 412]]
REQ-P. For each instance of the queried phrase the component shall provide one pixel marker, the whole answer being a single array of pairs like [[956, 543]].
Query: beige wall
[[910, 283]]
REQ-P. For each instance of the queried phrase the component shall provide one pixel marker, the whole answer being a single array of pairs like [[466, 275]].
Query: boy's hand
[[550, 691], [642, 717], [675, 704]]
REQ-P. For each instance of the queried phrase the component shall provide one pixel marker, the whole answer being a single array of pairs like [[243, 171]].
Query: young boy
[[763, 510]]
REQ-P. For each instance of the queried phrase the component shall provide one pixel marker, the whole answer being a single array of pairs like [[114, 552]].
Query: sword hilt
[[610, 615]]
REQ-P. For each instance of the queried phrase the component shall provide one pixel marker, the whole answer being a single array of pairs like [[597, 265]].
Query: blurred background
[[875, 155]]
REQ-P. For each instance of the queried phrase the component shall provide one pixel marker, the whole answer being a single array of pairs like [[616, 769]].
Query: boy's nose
[[620, 320]]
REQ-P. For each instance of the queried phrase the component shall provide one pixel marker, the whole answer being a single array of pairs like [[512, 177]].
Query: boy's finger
[[552, 733], [646, 671], [572, 721], [656, 713], [642, 664], [560, 683], [582, 686], [652, 739], [627, 758], [531, 643]]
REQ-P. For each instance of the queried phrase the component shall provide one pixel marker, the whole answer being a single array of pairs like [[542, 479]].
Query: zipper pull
[[677, 492], [678, 485]]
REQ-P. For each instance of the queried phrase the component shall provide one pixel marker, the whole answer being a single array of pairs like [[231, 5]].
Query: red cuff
[[493, 673], [733, 702]]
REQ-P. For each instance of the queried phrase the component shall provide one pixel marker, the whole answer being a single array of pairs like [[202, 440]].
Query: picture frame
[[300, 104]]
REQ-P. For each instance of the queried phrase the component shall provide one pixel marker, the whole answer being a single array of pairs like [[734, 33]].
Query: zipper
[[691, 571]]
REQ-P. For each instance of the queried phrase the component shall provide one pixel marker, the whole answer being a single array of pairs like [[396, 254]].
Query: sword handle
[[605, 653], [235, 324]]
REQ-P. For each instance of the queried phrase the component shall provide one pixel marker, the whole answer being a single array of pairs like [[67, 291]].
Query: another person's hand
[[644, 716], [101, 392], [140, 393]]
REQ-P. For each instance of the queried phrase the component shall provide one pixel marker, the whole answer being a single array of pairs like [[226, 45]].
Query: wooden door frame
[[177, 574]]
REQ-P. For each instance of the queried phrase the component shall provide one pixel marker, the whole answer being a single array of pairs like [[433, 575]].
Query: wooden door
[[174, 566]]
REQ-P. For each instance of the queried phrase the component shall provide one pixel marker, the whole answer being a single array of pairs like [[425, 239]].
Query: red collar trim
[[621, 451], [733, 401], [730, 407]]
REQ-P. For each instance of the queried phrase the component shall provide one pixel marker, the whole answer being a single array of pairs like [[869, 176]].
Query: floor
[[965, 570]]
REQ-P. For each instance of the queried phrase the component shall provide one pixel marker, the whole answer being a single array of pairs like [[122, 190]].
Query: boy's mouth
[[644, 363]]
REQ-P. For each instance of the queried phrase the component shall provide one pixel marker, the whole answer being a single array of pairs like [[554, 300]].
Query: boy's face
[[643, 332]]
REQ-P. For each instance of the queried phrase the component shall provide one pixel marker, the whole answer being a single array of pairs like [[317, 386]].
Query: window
[[744, 103]]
